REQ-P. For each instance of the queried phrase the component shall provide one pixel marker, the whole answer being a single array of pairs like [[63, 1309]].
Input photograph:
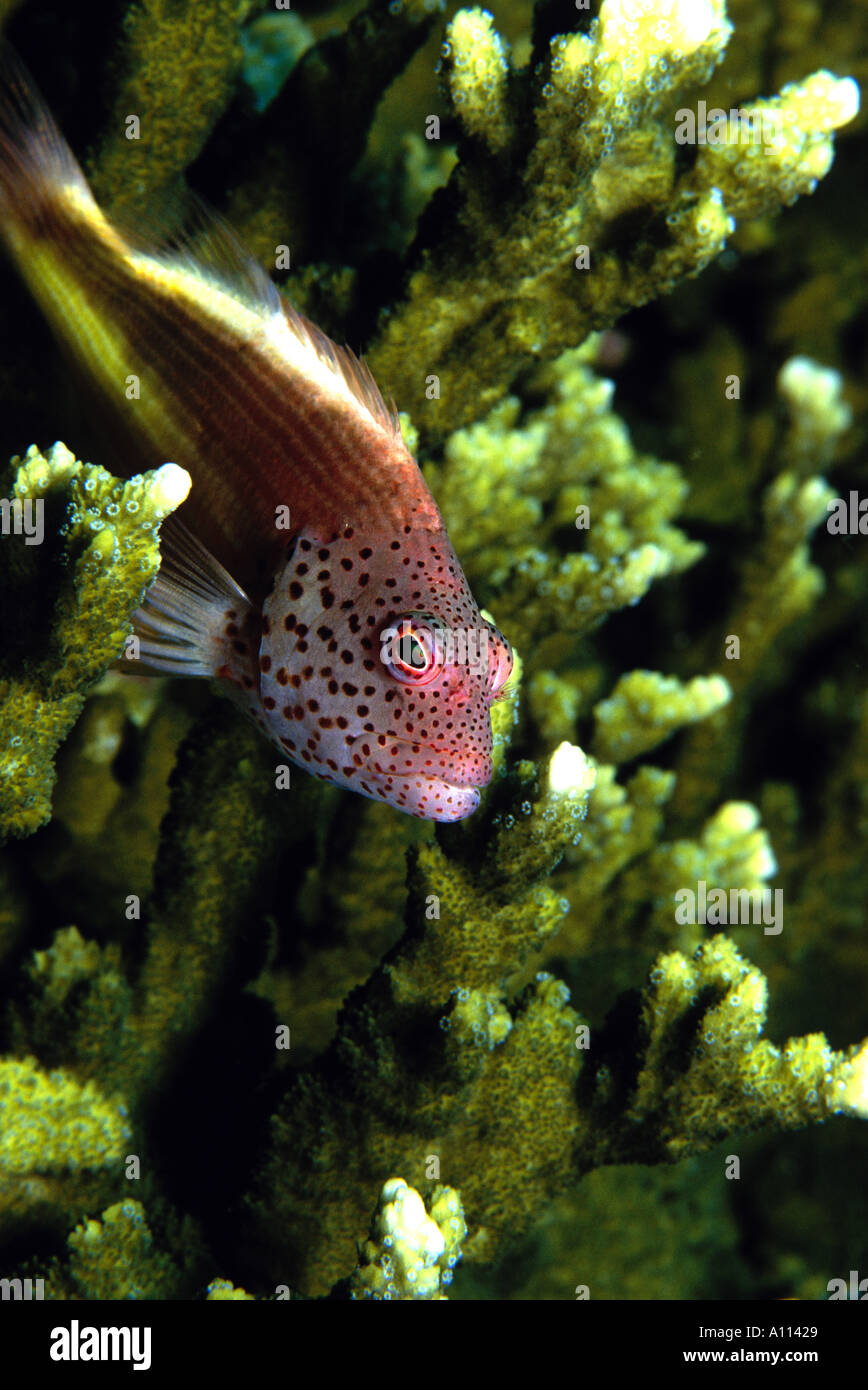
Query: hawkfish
[[309, 571]]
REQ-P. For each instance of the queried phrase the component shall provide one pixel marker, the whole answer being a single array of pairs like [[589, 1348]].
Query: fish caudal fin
[[194, 620], [37, 167]]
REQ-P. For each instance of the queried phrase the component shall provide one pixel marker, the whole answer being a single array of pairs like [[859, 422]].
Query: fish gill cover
[[262, 1037]]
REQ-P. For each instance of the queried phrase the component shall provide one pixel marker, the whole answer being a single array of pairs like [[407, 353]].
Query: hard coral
[[569, 206], [322, 992], [110, 555]]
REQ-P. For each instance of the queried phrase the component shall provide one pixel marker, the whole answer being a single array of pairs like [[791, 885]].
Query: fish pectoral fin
[[194, 619]]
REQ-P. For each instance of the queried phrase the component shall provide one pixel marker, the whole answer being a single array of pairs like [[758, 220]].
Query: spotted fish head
[[378, 671]]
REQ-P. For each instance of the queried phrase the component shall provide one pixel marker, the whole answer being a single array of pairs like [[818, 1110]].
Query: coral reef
[[411, 1253], [499, 1093], [224, 1291], [109, 555], [148, 144], [114, 1257], [598, 216], [645, 708], [51, 1123], [512, 488], [647, 945], [733, 1080]]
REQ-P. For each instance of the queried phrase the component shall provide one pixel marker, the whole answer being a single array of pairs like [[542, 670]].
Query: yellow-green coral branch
[[110, 545], [595, 219], [178, 66], [50, 1122], [645, 708]]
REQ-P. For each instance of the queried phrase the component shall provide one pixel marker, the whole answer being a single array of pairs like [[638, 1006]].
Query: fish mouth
[[445, 801], [427, 793], [429, 796]]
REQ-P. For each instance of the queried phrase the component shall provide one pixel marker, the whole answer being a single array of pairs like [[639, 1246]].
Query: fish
[[309, 572]]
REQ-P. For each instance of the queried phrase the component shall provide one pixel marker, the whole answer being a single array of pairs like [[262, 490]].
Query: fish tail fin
[[194, 620], [38, 170]]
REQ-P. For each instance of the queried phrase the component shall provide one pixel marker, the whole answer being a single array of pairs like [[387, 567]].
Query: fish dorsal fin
[[181, 231], [355, 373], [189, 235], [34, 157]]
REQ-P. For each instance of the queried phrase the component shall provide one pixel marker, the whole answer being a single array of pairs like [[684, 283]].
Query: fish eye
[[412, 648]]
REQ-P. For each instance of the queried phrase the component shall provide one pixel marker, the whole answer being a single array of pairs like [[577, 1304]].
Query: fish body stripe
[[217, 395]]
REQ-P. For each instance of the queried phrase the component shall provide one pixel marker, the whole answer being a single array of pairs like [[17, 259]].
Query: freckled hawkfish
[[309, 570]]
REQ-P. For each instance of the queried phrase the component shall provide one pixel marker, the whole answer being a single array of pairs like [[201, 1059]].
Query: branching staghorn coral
[[499, 1094], [196, 52], [516, 1088], [489, 1049], [623, 876], [224, 793], [512, 484], [411, 1253], [778, 584], [115, 1257], [568, 206], [130, 1033], [224, 1291], [818, 415], [50, 1122], [108, 558], [645, 708], [62, 1146], [731, 852], [73, 1000], [703, 1069], [383, 1078], [460, 1051]]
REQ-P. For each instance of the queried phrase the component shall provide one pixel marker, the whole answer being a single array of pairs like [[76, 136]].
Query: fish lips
[[437, 799], [429, 795], [454, 803]]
